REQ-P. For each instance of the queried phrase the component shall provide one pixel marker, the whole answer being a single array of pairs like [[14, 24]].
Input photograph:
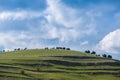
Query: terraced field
[[56, 65]]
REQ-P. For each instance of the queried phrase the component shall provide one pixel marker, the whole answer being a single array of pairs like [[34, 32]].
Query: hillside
[[56, 65]]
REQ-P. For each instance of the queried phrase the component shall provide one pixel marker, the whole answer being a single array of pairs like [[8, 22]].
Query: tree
[[15, 49], [98, 55], [18, 49], [25, 48], [67, 48], [3, 50], [57, 47], [63, 48], [87, 51], [104, 55], [46, 48], [22, 72], [109, 56], [93, 52]]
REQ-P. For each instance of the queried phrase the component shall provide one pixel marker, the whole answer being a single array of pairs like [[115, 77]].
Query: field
[[38, 64]]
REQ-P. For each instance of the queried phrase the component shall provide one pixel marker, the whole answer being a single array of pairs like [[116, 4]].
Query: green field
[[38, 64]]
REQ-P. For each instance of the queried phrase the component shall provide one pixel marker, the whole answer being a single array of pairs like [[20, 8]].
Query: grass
[[38, 64]]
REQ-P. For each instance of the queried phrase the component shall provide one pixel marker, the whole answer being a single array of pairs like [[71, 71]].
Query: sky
[[79, 24]]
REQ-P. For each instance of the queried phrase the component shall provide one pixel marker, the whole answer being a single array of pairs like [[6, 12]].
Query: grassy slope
[[56, 65]]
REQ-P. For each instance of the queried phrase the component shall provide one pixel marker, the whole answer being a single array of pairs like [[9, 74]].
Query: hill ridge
[[40, 64]]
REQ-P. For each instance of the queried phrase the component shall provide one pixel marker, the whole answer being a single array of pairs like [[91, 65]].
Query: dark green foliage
[[58, 47], [25, 48], [67, 48], [22, 72], [18, 49], [93, 52], [15, 49], [64, 48], [109, 56], [3, 50], [87, 51], [98, 55], [104, 55], [46, 48]]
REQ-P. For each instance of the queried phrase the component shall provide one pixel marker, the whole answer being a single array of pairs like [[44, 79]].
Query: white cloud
[[61, 22], [9, 40], [110, 43], [66, 23], [61, 14], [18, 15], [84, 43], [12, 40]]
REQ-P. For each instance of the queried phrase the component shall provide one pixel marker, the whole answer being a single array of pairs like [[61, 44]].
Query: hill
[[56, 65]]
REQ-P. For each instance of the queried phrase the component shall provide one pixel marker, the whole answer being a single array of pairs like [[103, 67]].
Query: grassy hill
[[56, 65]]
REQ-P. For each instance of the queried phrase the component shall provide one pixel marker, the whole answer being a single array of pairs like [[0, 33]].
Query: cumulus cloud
[[59, 22], [110, 43], [61, 14], [67, 23], [12, 40]]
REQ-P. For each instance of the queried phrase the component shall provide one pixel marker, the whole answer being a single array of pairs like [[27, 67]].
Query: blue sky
[[78, 24]]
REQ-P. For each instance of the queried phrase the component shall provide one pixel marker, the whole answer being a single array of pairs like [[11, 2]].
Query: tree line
[[103, 55], [64, 48], [17, 49], [58, 48]]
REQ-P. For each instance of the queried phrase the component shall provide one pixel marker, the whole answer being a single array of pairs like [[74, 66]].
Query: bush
[[18, 49], [46, 48], [22, 72], [58, 47], [87, 51], [63, 48], [67, 48], [109, 56], [93, 52], [25, 48], [3, 50], [98, 55], [104, 55], [15, 49]]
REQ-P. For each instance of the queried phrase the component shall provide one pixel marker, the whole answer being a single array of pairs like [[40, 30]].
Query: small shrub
[[22, 72]]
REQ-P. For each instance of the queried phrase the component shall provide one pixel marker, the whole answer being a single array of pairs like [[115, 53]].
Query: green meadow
[[40, 64]]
